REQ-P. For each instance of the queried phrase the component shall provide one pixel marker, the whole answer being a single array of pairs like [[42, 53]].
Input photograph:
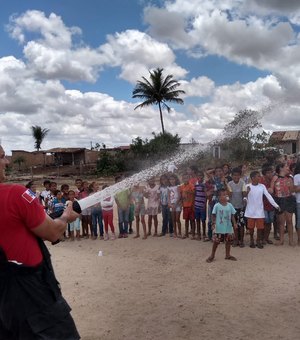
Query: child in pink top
[[153, 194], [107, 205]]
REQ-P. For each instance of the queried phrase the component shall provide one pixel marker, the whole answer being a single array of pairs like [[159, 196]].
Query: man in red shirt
[[31, 304]]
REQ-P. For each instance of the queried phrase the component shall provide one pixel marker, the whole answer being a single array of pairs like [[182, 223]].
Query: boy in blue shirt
[[222, 222]]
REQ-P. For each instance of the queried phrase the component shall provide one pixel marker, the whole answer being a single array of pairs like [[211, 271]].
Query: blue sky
[[70, 66]]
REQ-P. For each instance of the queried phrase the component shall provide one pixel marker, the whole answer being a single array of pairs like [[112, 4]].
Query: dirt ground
[[162, 288]]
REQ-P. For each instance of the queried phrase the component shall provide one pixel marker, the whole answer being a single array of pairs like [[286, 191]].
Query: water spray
[[229, 132]]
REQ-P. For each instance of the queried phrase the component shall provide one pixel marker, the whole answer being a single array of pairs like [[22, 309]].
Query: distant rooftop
[[285, 136], [64, 150]]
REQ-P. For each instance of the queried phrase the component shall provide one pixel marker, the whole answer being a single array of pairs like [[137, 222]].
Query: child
[[210, 186], [153, 195], [192, 172], [222, 221], [297, 191], [49, 199], [244, 170], [187, 196], [174, 204], [65, 191], [131, 218], [58, 203], [75, 224], [237, 191], [96, 213], [268, 173], [219, 182], [86, 217], [226, 171], [137, 198], [57, 207], [255, 208], [107, 205], [167, 225], [122, 199], [45, 192], [78, 184], [31, 185], [200, 205], [283, 188]]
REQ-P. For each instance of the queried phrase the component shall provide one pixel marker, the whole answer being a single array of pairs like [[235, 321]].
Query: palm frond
[[158, 90]]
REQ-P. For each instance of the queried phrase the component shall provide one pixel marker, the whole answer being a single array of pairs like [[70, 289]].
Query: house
[[22, 159], [53, 157], [289, 141], [68, 156]]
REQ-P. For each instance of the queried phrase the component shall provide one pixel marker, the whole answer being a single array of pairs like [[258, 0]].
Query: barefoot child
[[96, 213], [122, 199], [174, 204], [137, 198], [153, 195], [237, 191], [222, 221], [107, 205], [255, 208], [187, 195], [268, 173], [167, 225], [297, 191], [75, 225], [219, 182], [200, 205], [283, 188]]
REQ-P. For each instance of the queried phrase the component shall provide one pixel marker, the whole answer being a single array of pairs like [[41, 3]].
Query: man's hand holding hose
[[53, 227], [68, 216]]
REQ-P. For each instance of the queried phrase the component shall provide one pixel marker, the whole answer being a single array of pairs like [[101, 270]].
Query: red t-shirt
[[20, 212], [267, 205]]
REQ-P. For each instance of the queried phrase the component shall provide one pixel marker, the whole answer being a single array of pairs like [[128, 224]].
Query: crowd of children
[[219, 205]]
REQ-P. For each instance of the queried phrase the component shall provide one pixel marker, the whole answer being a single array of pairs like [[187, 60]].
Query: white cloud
[[197, 87], [166, 26], [136, 53], [54, 55], [31, 91], [230, 29], [52, 30]]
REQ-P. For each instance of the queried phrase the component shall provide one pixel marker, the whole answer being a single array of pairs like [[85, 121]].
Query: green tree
[[160, 146], [158, 91], [140, 147], [38, 134], [19, 160], [108, 165]]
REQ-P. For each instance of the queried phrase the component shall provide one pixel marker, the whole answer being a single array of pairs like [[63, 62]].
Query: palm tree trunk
[[161, 119]]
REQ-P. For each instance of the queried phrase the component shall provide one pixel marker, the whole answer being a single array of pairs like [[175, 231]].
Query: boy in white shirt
[[255, 208]]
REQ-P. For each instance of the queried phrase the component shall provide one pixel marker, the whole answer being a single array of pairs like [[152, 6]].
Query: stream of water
[[180, 158]]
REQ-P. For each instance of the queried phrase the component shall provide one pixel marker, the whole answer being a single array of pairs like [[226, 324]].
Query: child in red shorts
[[255, 208], [187, 194]]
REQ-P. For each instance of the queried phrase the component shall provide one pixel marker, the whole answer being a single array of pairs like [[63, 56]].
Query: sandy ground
[[162, 288]]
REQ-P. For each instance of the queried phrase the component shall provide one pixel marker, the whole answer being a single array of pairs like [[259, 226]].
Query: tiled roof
[[64, 150], [285, 136]]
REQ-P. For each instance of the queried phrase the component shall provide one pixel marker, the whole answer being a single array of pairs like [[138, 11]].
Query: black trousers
[[32, 307]]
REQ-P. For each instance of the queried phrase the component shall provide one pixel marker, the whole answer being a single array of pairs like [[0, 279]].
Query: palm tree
[[157, 91], [38, 134]]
